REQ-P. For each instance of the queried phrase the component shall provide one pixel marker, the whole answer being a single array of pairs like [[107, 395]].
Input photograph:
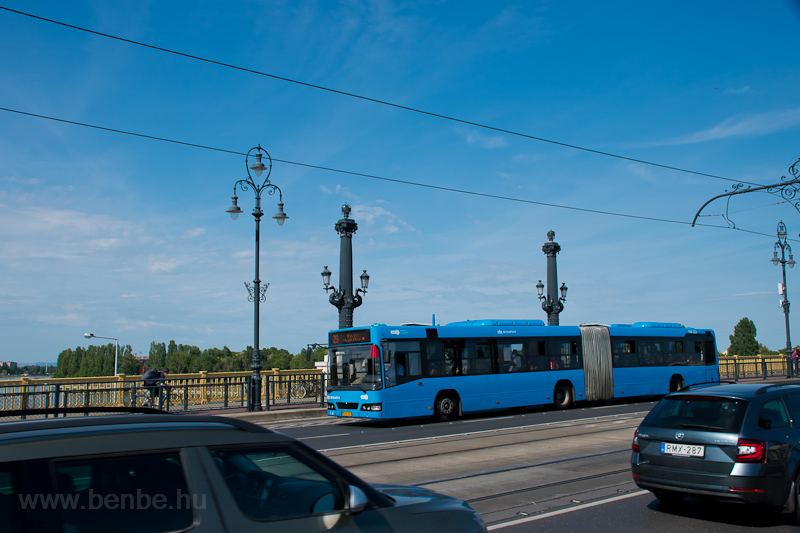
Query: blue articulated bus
[[387, 372]]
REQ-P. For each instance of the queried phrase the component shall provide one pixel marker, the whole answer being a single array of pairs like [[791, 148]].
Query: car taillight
[[635, 443], [751, 451]]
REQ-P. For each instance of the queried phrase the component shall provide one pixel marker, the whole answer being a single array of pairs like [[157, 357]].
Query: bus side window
[[475, 358], [510, 357], [625, 353]]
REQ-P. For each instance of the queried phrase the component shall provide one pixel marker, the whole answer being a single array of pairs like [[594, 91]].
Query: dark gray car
[[728, 442], [166, 473]]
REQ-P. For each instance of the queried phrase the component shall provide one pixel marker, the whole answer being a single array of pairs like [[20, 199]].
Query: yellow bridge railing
[[759, 366], [203, 390]]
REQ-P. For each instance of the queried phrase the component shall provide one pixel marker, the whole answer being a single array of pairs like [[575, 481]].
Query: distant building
[[11, 365]]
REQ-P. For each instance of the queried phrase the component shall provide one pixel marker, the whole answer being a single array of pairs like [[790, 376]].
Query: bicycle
[[142, 397], [304, 388]]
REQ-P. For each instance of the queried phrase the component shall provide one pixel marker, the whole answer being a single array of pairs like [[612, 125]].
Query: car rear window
[[698, 412]]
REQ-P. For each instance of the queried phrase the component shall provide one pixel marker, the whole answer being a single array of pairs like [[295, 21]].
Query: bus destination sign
[[359, 336]]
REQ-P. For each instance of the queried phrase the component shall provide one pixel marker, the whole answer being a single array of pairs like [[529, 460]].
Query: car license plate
[[689, 450], [347, 413]]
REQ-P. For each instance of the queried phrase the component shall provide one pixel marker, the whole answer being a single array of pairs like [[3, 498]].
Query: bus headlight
[[331, 406], [372, 407]]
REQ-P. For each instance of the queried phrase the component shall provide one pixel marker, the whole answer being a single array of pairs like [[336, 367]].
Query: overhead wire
[[376, 100], [380, 102], [374, 176]]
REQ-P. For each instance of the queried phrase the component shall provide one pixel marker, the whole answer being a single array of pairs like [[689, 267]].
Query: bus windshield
[[353, 367]]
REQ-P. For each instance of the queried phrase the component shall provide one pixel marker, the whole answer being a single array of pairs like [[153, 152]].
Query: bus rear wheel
[[446, 406], [676, 383], [563, 395]]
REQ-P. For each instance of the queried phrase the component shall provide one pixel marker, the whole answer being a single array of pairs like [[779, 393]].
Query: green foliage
[[763, 350], [33, 370], [179, 358], [276, 358], [298, 362], [158, 355], [128, 364], [743, 340]]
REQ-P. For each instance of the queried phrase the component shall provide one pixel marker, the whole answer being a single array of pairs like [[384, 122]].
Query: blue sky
[[127, 236]]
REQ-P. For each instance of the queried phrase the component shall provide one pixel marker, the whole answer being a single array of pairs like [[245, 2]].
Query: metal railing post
[[56, 397]]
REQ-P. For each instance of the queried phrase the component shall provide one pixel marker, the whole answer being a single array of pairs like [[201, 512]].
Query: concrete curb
[[276, 415]]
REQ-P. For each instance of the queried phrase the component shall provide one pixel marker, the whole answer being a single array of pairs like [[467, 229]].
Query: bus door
[[597, 368]]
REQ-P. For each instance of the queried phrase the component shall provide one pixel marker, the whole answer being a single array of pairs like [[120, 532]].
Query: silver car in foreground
[[168, 473]]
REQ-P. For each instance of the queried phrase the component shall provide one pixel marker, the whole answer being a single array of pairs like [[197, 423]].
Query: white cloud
[[741, 90], [162, 265], [70, 319], [344, 191], [143, 324], [105, 243], [196, 232], [377, 215], [745, 126], [528, 158], [484, 141], [23, 181]]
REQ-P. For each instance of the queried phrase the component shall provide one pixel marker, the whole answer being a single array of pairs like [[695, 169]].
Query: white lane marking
[[469, 433], [323, 436], [564, 511]]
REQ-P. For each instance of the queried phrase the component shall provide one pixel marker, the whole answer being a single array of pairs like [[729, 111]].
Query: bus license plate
[[347, 413], [688, 450]]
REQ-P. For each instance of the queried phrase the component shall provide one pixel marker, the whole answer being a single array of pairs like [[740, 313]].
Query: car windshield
[[353, 367], [698, 412]]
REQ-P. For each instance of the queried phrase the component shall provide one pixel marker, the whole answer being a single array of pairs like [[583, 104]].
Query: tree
[[743, 340], [275, 358], [763, 350], [128, 364], [158, 355], [298, 362]]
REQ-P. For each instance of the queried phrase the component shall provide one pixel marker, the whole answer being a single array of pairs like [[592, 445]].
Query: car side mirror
[[357, 500]]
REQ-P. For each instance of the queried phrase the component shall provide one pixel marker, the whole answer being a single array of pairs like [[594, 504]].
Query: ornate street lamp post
[[783, 245], [344, 298], [257, 293], [552, 304]]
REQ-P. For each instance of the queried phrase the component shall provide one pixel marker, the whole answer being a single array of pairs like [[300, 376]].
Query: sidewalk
[[273, 415]]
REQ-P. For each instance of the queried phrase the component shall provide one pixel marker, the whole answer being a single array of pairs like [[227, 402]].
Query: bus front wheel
[[446, 406], [563, 396]]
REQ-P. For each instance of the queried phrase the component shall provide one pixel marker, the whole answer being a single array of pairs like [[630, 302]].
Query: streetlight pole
[[257, 293], [116, 350], [552, 304], [783, 245], [345, 299]]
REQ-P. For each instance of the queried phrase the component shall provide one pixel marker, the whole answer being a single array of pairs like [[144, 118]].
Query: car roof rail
[[771, 386], [704, 384], [83, 415], [87, 411]]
